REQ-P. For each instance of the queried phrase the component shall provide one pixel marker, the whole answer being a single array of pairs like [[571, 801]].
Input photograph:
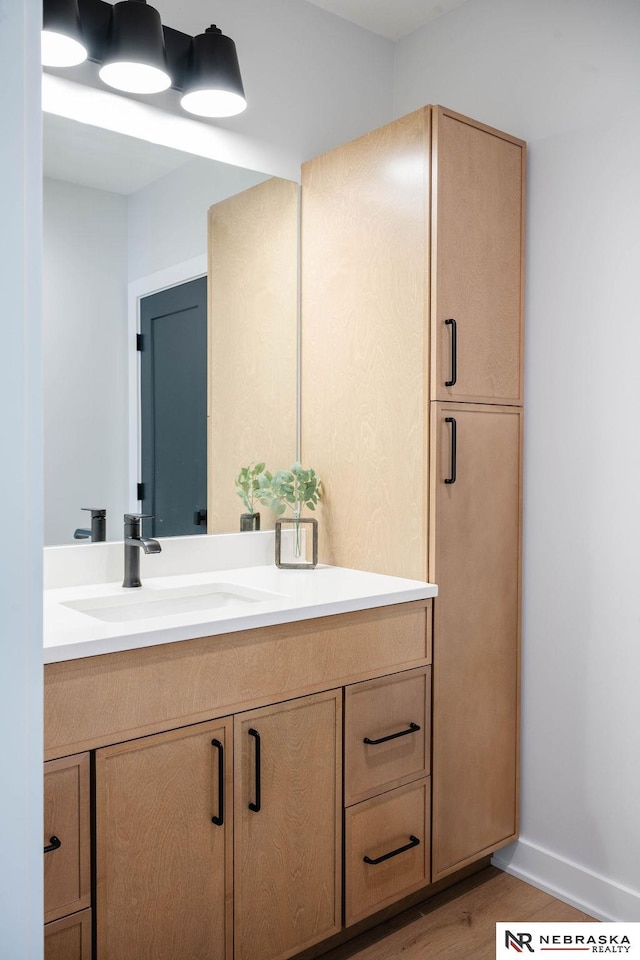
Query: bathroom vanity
[[222, 795], [240, 762]]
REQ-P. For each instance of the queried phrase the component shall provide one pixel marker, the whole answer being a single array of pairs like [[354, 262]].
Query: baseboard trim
[[570, 882]]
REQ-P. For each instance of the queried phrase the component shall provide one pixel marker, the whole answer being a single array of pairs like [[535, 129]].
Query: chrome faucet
[[98, 531], [133, 543]]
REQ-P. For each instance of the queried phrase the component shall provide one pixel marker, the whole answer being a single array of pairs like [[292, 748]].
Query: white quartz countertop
[[289, 595]]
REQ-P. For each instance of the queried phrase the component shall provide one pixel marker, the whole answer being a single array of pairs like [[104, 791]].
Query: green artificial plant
[[295, 488], [249, 482]]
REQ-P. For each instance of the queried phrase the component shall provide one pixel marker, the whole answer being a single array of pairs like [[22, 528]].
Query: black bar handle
[[219, 818], [454, 352], [255, 806], [454, 448], [53, 844], [413, 842], [413, 728]]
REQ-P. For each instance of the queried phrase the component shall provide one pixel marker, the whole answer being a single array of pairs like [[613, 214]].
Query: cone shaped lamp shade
[[135, 59], [213, 87], [62, 41]]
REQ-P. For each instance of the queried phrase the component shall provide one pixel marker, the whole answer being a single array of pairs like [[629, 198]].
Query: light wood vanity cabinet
[[222, 839], [412, 349]]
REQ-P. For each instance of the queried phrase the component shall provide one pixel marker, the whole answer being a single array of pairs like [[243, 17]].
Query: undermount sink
[[142, 603]]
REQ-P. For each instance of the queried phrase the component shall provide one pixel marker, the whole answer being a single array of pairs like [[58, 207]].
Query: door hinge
[[139, 342], [140, 491]]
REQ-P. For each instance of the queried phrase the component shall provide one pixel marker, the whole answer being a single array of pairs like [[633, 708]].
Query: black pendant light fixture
[[213, 86], [137, 54], [134, 59], [62, 40]]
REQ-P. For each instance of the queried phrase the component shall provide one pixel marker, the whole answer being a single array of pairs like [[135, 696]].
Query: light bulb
[[59, 50], [213, 103], [135, 77]]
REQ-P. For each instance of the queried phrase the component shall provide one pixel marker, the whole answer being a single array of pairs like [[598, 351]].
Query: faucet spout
[[148, 545]]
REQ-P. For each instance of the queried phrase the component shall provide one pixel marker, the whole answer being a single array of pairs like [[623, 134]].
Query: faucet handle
[[98, 530], [133, 524]]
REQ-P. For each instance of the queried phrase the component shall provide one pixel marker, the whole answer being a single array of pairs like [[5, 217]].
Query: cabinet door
[[67, 843], [287, 826], [475, 560], [163, 864], [477, 262]]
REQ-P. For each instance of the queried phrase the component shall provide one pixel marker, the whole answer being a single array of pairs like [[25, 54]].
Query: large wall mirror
[[124, 220]]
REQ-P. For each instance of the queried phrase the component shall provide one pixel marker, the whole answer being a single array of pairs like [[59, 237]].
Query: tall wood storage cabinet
[[412, 341]]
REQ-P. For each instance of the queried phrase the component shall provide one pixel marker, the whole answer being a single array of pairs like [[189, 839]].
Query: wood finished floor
[[458, 924]]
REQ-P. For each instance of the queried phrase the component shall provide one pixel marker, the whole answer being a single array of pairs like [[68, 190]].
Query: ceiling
[[390, 18]]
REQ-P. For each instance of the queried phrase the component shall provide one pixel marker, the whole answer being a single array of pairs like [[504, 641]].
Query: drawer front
[[385, 829], [395, 711], [67, 857], [69, 938]]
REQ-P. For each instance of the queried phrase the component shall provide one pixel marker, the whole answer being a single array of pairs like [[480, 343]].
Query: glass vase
[[296, 543], [249, 521]]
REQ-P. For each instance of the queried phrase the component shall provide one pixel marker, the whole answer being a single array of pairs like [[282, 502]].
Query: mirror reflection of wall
[[116, 210]]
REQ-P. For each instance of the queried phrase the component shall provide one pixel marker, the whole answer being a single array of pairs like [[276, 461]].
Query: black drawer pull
[[54, 843], [256, 804], [413, 728], [413, 842], [218, 819], [454, 449], [454, 353]]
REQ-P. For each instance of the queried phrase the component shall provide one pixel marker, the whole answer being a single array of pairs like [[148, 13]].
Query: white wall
[[20, 485], [84, 358], [167, 221], [565, 75], [312, 80]]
